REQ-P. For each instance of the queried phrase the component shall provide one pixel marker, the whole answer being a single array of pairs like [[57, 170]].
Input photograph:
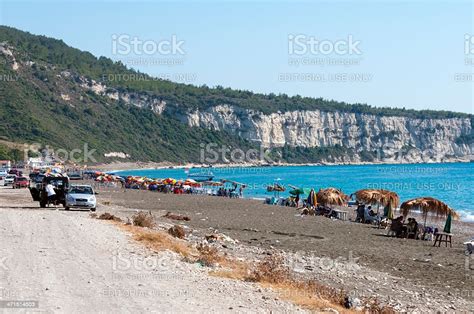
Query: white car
[[81, 196], [9, 179]]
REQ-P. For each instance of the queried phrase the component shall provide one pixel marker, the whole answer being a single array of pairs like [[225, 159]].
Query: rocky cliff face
[[390, 138], [386, 138]]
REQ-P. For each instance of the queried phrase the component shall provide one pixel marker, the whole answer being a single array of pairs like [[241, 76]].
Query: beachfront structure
[[40, 163], [5, 164]]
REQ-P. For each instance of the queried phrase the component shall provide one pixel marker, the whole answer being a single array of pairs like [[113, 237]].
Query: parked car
[[39, 194], [9, 179], [3, 174], [77, 175], [20, 182], [81, 196]]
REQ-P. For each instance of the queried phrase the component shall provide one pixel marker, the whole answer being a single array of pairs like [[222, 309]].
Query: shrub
[[208, 255], [271, 270], [108, 216], [170, 215], [143, 219], [177, 232]]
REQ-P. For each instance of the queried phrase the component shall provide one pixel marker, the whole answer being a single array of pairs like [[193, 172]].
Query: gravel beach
[[411, 271], [406, 274]]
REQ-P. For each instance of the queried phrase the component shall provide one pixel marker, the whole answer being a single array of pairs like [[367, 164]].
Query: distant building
[[41, 163], [35, 162], [6, 164]]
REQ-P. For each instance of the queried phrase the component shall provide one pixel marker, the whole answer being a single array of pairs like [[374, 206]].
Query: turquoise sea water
[[451, 182]]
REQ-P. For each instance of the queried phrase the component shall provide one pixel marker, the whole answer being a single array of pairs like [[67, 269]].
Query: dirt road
[[68, 262]]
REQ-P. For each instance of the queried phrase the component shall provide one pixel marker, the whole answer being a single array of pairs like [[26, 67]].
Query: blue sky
[[412, 53]]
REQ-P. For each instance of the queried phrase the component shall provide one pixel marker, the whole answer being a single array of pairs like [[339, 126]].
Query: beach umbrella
[[389, 212], [275, 188], [332, 196], [378, 196], [447, 225], [369, 196], [312, 198], [428, 205]]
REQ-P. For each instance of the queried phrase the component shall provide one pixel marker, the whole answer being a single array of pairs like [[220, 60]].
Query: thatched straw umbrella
[[332, 196], [374, 196], [428, 205], [380, 197]]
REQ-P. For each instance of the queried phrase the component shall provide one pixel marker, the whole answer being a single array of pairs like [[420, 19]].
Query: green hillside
[[32, 110]]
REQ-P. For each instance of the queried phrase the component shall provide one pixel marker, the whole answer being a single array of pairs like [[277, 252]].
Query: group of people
[[366, 214], [231, 192], [411, 229], [181, 187]]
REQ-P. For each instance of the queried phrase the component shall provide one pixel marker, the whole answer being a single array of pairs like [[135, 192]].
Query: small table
[[342, 215], [439, 238]]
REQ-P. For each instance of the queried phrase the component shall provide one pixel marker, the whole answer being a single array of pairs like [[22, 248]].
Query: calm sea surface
[[451, 183]]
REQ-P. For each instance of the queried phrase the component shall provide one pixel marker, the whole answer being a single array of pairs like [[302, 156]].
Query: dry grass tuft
[[143, 219], [372, 305], [93, 215], [208, 255], [232, 270], [271, 270], [108, 216], [273, 273], [160, 241], [177, 232], [170, 215]]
